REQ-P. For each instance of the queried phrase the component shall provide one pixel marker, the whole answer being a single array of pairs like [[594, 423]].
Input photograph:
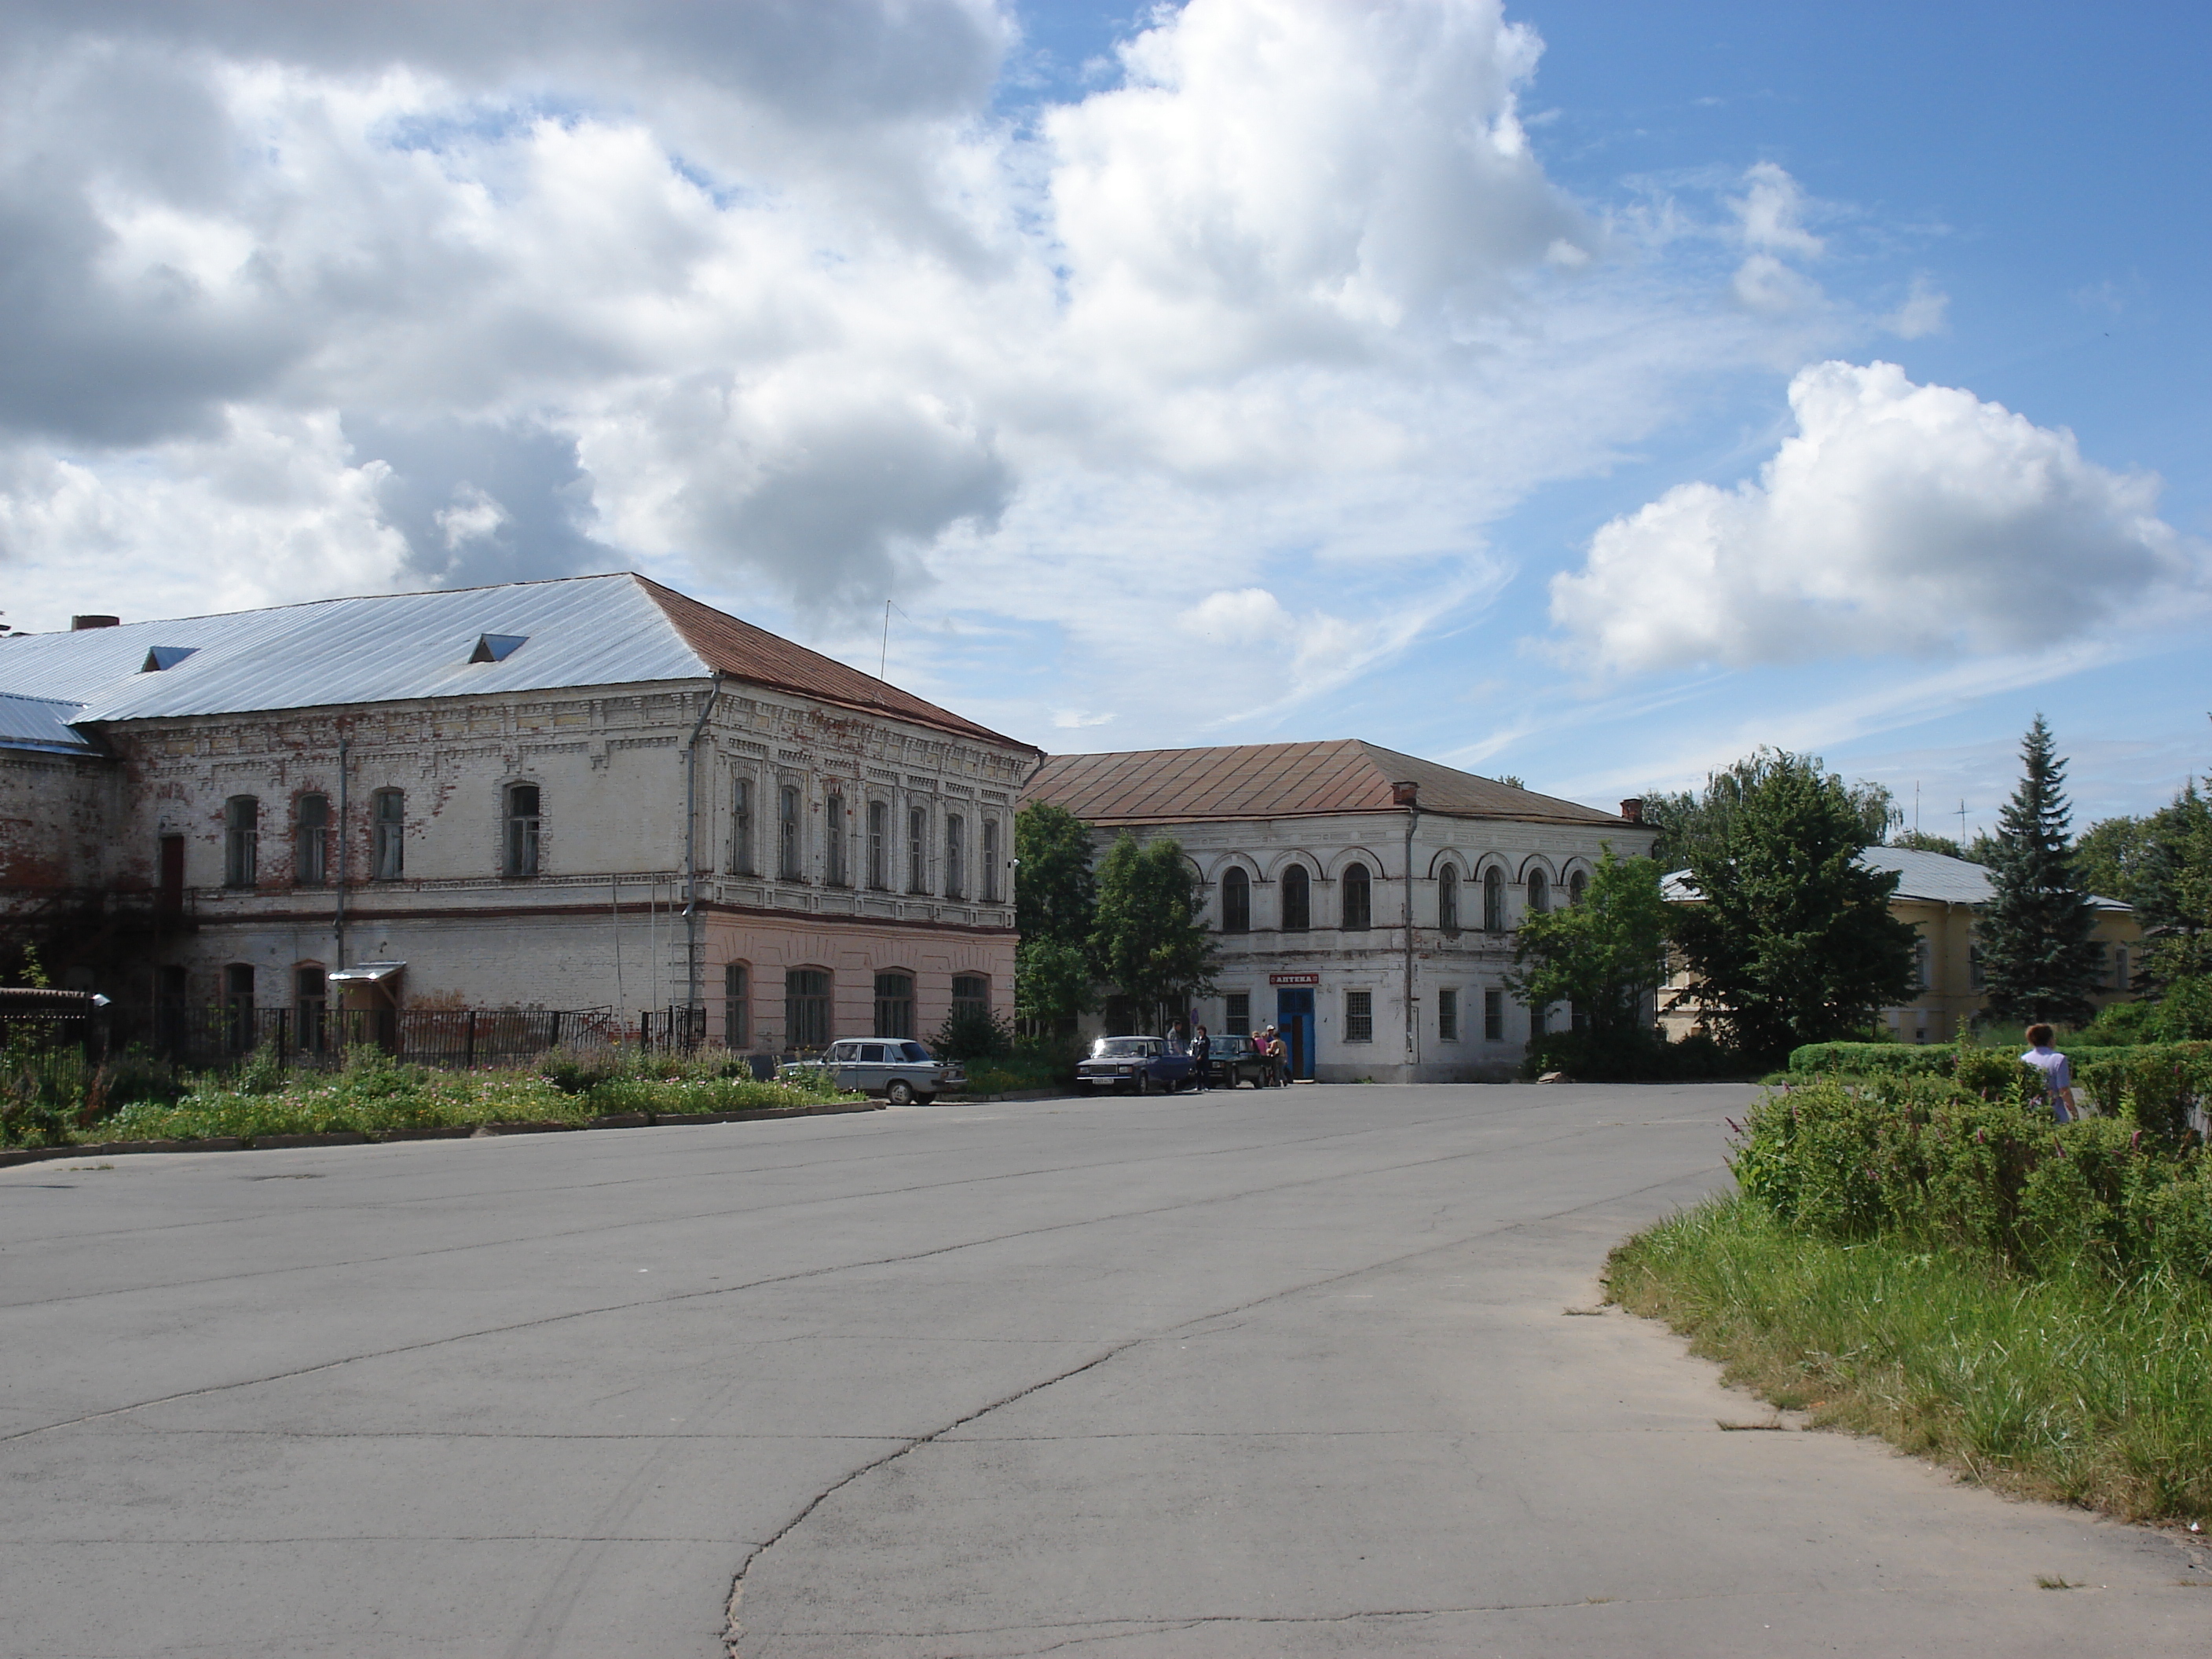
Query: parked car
[[1235, 1060], [1143, 1065], [900, 1070]]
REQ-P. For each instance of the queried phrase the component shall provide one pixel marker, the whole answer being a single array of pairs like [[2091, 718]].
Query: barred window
[[1448, 1016], [806, 1008], [387, 846], [972, 994], [1493, 1016], [1237, 1011], [1236, 901], [737, 1025], [311, 840], [1360, 1016], [241, 841], [895, 1005]]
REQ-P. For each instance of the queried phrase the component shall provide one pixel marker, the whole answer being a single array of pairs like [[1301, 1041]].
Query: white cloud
[[1926, 311], [474, 517], [1769, 210], [1900, 517]]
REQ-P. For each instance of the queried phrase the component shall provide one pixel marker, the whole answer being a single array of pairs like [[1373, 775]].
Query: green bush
[[972, 1033], [1929, 1159]]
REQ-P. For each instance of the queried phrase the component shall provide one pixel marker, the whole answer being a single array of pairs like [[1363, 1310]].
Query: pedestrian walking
[[2057, 1074], [1201, 1056]]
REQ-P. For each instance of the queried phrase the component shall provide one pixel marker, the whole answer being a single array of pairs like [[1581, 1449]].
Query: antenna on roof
[[883, 662]]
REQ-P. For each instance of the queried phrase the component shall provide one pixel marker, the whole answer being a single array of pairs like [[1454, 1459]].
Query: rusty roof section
[[742, 652], [1281, 779]]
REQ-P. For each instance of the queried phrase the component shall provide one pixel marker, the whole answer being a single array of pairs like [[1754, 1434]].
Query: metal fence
[[224, 1033]]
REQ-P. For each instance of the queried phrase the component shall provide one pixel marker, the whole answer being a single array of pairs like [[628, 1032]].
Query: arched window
[[1297, 900], [522, 824], [1448, 898], [1358, 899], [1578, 884], [1539, 893], [241, 841], [387, 835], [971, 994], [311, 840], [1236, 902], [1494, 899], [787, 833], [806, 1008], [894, 1005]]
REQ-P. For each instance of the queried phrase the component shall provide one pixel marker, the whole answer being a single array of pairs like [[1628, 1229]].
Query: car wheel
[[900, 1093], [1144, 1083]]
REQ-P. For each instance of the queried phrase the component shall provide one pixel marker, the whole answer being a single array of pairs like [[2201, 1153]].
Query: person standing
[[1201, 1057], [1278, 1059], [2057, 1074]]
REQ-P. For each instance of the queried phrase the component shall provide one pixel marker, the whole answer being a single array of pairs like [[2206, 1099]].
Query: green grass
[[2075, 1387]]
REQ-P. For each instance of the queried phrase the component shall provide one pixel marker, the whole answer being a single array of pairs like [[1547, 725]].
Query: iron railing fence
[[226, 1033]]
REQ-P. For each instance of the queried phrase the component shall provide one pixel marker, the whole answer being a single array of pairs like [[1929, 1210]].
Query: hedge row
[[1932, 1059], [1931, 1159]]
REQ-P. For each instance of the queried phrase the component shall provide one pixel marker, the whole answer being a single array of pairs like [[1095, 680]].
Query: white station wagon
[[899, 1069]]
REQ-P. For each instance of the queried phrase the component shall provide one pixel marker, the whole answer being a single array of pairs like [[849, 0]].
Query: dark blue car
[[1141, 1064]]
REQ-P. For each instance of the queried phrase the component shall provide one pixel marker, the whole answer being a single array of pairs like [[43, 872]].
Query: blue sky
[[1585, 391]]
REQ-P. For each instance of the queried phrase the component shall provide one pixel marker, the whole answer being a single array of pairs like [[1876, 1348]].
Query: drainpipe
[[692, 996], [346, 748], [1409, 795]]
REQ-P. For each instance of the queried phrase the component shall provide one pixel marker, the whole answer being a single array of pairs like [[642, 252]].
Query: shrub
[[1637, 1057], [972, 1033]]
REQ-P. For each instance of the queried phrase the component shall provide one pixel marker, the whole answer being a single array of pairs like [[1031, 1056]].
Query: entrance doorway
[[1294, 1015]]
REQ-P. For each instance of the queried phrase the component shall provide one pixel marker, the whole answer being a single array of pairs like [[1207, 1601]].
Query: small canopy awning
[[366, 973]]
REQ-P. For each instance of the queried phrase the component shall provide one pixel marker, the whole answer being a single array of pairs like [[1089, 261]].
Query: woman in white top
[[2058, 1075]]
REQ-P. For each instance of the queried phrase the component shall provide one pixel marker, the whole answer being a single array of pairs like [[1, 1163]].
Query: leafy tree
[[1919, 841], [1149, 939], [2108, 858], [2170, 883], [1688, 820], [2039, 960], [1793, 941], [1056, 910], [1603, 954]]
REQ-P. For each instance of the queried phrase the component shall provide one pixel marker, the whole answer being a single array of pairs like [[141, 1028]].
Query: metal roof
[[43, 724], [1281, 779], [1934, 878], [617, 629]]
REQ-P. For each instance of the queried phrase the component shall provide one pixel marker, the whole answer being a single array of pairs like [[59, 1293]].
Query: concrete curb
[[1011, 1094], [14, 1155]]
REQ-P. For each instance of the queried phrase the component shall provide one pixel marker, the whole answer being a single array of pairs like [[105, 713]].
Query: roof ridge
[[340, 598]]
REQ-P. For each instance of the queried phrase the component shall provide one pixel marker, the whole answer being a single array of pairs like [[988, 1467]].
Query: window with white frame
[[311, 840], [241, 841], [833, 840], [788, 864], [879, 835], [917, 849], [991, 885], [956, 856], [741, 826], [387, 845], [522, 830]]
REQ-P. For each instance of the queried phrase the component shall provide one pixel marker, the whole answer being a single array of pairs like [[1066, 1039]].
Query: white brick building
[[563, 794], [1363, 900]]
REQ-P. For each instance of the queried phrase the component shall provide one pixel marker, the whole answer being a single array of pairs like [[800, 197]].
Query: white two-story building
[[1365, 901]]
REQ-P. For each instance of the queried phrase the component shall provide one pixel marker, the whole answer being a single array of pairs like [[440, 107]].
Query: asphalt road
[[1289, 1373]]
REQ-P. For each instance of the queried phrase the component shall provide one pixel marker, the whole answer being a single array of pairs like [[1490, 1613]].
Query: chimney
[[1632, 809], [1405, 794], [78, 624]]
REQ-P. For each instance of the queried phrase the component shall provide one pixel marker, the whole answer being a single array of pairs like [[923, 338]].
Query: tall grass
[[2074, 1386]]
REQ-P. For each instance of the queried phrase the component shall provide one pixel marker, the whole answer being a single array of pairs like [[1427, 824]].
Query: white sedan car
[[901, 1070]]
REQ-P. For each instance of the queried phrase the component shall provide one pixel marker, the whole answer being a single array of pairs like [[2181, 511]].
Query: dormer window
[[497, 648], [165, 656]]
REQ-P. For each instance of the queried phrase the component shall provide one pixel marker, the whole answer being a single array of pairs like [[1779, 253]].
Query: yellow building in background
[[1940, 897]]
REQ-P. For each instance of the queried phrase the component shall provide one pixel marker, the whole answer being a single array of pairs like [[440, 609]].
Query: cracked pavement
[[1245, 1374]]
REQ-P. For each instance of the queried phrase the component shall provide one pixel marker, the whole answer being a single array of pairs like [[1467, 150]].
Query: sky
[[1585, 391]]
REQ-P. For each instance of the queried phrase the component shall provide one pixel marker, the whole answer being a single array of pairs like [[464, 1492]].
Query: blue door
[[1294, 1013]]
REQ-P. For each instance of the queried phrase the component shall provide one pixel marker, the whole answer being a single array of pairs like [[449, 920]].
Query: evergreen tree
[[2171, 888], [1056, 911], [2037, 954], [1149, 940], [1602, 955], [1793, 941]]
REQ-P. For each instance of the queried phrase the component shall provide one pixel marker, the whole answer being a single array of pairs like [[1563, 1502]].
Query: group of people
[[1276, 1072]]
